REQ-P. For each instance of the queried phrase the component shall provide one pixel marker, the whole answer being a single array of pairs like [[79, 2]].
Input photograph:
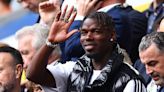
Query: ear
[[18, 70], [112, 37]]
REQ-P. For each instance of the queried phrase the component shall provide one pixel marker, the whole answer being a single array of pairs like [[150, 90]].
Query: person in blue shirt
[[155, 12]]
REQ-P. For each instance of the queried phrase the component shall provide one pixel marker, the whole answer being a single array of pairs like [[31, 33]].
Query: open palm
[[59, 29]]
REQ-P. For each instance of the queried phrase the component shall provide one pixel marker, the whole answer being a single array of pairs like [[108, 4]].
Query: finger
[[94, 2], [58, 16], [72, 18], [47, 7], [71, 33], [42, 6], [63, 12], [98, 5], [86, 1], [68, 14]]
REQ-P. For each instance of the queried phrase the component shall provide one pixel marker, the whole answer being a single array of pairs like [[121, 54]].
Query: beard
[[160, 81], [2, 89], [6, 88], [93, 55]]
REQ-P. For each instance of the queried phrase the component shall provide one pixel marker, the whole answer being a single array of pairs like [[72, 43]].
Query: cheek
[[81, 39], [160, 70], [6, 77], [103, 42]]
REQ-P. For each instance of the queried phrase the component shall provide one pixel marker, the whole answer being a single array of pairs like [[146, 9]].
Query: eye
[[97, 31], [83, 32], [152, 63], [25, 52]]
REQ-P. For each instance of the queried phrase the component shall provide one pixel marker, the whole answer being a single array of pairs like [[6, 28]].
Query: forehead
[[6, 58], [89, 23], [152, 53], [25, 42], [25, 39]]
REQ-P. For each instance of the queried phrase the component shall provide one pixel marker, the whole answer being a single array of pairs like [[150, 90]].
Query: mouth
[[155, 78], [89, 46]]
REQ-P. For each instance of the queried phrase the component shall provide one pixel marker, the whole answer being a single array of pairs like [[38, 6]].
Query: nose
[[89, 35], [148, 70], [26, 62], [25, 65]]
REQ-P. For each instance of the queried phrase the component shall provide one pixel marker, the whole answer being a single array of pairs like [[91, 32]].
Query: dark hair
[[103, 19], [155, 37], [15, 53], [7, 2]]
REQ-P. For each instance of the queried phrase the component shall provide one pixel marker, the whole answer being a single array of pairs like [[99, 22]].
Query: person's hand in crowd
[[48, 10], [84, 7], [59, 29]]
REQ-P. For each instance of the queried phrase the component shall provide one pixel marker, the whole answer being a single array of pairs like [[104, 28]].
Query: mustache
[[154, 74]]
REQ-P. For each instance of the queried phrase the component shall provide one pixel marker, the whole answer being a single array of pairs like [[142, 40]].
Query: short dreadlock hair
[[103, 19]]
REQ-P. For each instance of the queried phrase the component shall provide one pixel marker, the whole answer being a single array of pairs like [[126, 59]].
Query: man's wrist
[[78, 17], [51, 44]]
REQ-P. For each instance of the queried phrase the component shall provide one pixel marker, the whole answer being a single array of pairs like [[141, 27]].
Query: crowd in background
[[95, 46]]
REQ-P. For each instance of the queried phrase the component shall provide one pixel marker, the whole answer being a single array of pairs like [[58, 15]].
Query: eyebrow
[[151, 61], [91, 28]]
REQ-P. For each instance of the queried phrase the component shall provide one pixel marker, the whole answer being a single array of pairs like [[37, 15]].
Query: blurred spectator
[[13, 22], [157, 23], [5, 7], [11, 65], [161, 25], [15, 5], [25, 37], [30, 39], [48, 11], [33, 5], [155, 12]]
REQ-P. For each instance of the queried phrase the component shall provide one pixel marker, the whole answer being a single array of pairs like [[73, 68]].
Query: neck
[[17, 87], [100, 62], [99, 65]]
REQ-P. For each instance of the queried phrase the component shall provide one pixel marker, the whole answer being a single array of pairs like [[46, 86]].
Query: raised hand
[[84, 7], [59, 29], [48, 10]]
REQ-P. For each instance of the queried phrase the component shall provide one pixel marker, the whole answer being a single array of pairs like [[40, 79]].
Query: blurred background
[[18, 17]]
